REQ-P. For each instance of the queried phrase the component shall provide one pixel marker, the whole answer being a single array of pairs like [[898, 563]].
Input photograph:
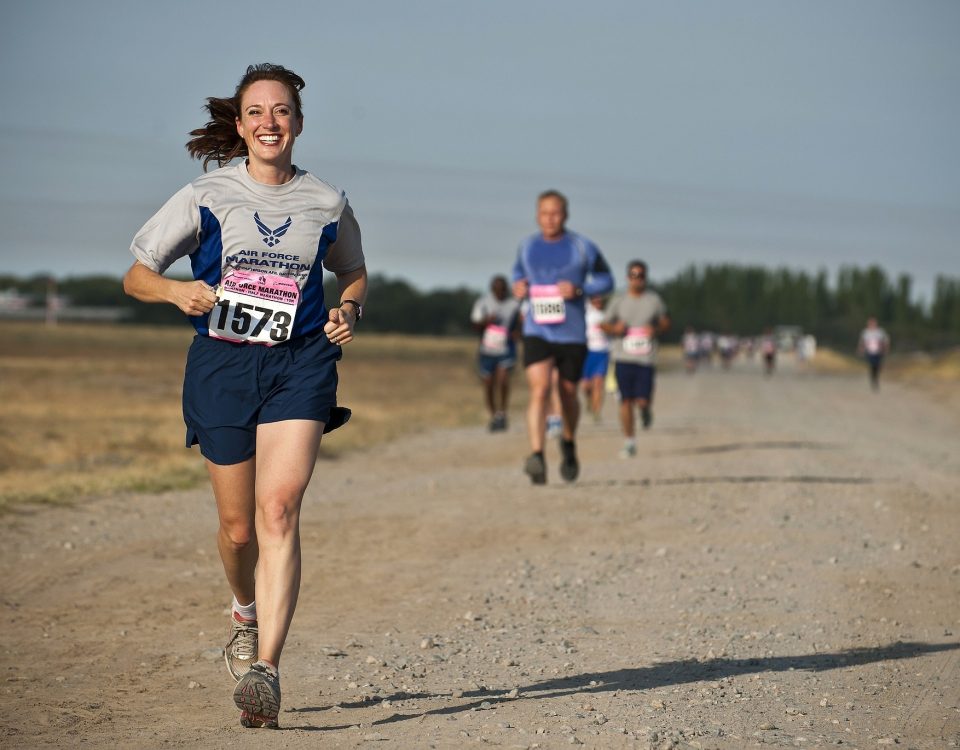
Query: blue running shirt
[[571, 258]]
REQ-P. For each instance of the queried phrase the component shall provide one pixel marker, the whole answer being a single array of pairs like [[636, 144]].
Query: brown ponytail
[[218, 140]]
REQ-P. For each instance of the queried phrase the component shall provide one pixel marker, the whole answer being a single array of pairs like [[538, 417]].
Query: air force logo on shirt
[[272, 236]]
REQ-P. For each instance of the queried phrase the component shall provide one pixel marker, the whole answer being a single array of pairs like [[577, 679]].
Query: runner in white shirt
[[495, 316], [727, 346], [598, 358], [691, 350], [874, 344], [260, 382]]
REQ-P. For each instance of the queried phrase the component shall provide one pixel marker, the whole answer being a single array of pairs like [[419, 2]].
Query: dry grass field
[[93, 409]]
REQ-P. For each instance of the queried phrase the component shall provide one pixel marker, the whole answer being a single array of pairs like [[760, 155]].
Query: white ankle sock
[[246, 611]]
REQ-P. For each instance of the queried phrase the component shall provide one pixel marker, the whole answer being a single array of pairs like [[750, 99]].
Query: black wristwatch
[[355, 304]]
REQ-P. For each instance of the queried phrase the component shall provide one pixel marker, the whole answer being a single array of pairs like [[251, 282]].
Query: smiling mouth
[[269, 140]]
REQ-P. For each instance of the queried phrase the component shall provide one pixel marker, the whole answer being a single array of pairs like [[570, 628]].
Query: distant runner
[[598, 358], [495, 316], [707, 342], [635, 320], [691, 350], [874, 344], [554, 271], [768, 348], [727, 345]]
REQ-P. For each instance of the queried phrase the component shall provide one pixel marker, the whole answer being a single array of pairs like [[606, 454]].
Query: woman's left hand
[[339, 328]]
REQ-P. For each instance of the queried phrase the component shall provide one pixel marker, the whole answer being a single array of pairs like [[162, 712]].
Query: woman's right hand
[[146, 285], [193, 297]]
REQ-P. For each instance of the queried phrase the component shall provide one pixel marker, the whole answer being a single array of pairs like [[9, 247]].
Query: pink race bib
[[638, 340], [254, 308], [546, 304]]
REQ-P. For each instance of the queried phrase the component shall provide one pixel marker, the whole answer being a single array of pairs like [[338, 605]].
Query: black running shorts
[[569, 358]]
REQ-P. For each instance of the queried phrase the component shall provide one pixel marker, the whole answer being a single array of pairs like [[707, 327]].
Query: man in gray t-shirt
[[634, 320]]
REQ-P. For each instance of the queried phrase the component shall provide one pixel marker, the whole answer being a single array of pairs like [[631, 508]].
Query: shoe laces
[[244, 640]]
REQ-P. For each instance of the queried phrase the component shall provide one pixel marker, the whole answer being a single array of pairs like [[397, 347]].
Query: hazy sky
[[808, 134]]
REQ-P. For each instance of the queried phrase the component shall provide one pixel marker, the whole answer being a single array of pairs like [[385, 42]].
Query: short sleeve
[[612, 313], [170, 234], [477, 314], [661, 307], [346, 254]]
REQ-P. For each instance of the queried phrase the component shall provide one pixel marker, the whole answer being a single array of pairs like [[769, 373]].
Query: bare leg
[[503, 386], [570, 407], [596, 395], [538, 380], [488, 393], [626, 417], [556, 403], [233, 488], [286, 455]]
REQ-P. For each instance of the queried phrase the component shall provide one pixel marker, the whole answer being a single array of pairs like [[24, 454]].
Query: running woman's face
[[551, 217], [268, 124]]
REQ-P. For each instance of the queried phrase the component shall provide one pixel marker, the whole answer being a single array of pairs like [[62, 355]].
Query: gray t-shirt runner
[[497, 338], [639, 345]]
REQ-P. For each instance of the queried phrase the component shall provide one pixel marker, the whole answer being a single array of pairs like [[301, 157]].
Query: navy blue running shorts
[[487, 363], [229, 388], [635, 381]]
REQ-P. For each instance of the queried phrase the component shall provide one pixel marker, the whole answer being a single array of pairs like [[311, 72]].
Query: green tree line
[[723, 298], [746, 299]]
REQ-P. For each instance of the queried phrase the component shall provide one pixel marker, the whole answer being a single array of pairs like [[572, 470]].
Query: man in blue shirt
[[556, 270]]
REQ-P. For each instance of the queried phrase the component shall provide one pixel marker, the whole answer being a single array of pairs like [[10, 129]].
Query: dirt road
[[780, 565]]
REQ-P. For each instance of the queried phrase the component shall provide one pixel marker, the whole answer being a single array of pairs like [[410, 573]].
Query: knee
[[279, 511], [238, 533], [539, 393], [568, 389]]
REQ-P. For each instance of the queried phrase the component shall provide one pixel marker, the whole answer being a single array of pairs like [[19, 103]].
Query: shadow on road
[[760, 445], [747, 479], [654, 676]]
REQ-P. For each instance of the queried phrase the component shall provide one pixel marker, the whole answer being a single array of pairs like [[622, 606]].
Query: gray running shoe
[[257, 695], [241, 650], [536, 468], [569, 467]]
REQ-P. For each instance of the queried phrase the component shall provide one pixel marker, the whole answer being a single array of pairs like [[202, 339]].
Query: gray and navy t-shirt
[[226, 220], [641, 313]]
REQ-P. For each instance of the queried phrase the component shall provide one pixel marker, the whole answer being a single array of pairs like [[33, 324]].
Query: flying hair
[[218, 140]]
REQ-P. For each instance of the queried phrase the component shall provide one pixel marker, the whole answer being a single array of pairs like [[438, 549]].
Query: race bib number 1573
[[254, 308]]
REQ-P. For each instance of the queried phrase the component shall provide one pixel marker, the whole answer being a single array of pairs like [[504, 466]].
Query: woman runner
[[261, 380]]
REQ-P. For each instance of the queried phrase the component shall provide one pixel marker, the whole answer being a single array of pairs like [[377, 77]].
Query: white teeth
[[269, 138]]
